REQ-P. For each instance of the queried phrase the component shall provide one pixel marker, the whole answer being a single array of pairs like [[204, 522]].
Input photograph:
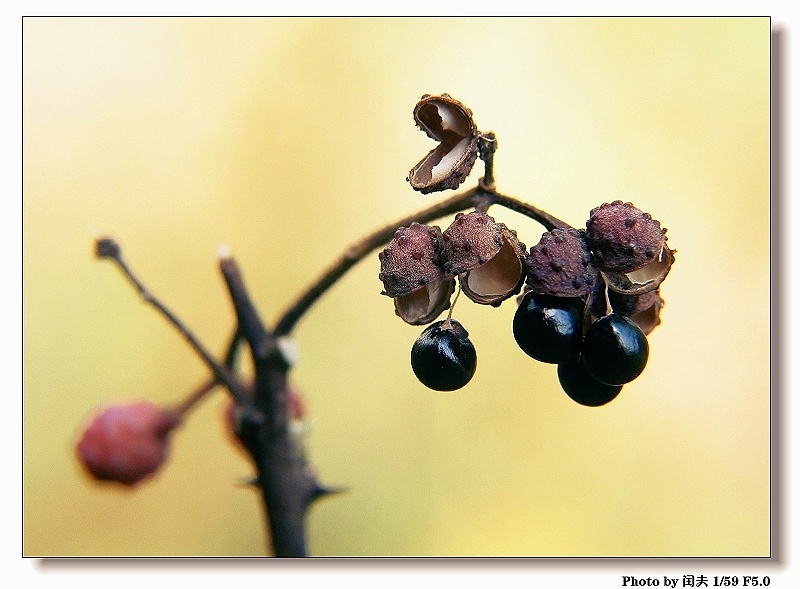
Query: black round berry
[[546, 328], [614, 349], [582, 387], [443, 358]]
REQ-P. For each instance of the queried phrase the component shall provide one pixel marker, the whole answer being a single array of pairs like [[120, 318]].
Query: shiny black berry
[[548, 329], [582, 387], [614, 349], [443, 358]]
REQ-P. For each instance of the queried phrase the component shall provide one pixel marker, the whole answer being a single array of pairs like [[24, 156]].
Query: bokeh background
[[289, 139]]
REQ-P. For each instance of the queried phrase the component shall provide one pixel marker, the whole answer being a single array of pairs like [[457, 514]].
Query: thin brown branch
[[542, 217], [362, 248], [479, 196]]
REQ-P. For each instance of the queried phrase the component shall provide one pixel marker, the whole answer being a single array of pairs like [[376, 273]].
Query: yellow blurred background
[[289, 139]]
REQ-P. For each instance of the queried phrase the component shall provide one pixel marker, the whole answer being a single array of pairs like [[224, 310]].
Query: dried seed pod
[[645, 279], [487, 257], [561, 264], [623, 238], [449, 122], [644, 309], [412, 274]]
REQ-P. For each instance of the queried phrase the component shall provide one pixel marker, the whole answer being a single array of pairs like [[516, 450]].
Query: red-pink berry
[[127, 443]]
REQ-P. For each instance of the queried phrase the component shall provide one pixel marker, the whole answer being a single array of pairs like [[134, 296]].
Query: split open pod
[[449, 122], [629, 247], [486, 256], [412, 273]]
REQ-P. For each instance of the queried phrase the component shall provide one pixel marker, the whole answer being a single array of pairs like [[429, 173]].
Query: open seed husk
[[449, 122], [486, 256], [643, 279], [412, 274], [424, 305]]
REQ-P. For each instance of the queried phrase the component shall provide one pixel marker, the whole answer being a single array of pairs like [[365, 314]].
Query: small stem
[[200, 392], [250, 327], [542, 217], [487, 145], [452, 306], [107, 248], [195, 397]]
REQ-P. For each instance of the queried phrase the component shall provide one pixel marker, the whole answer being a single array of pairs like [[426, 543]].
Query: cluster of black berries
[[590, 296]]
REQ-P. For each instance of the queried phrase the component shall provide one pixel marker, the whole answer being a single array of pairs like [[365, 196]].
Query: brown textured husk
[[622, 237], [425, 304], [487, 257], [451, 103], [454, 179], [470, 241], [412, 273], [421, 176], [505, 272], [412, 259], [561, 264], [643, 279]]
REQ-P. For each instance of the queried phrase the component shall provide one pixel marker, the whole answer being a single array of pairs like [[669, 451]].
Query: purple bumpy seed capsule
[[486, 256], [412, 274], [623, 238], [561, 265], [629, 248], [443, 358]]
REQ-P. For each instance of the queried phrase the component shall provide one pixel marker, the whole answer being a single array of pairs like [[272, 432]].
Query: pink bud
[[127, 443]]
